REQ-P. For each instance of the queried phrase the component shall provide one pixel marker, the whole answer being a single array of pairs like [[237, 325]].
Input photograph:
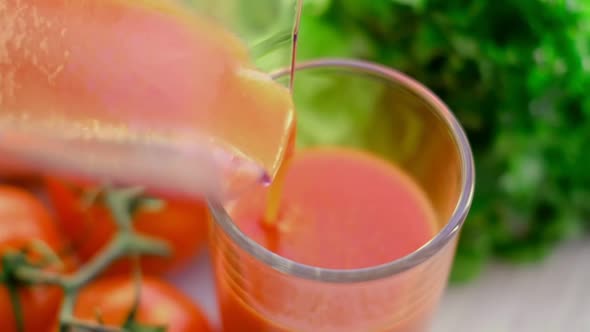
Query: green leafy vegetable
[[516, 74]]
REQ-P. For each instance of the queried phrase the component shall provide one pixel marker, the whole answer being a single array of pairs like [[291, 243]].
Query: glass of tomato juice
[[367, 231]]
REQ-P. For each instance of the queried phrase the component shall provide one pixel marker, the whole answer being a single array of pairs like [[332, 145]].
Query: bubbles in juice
[[143, 91]]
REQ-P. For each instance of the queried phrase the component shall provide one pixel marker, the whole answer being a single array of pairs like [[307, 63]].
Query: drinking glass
[[397, 119], [125, 90]]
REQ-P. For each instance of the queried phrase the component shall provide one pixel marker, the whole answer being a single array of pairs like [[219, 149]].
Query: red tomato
[[23, 218], [160, 304], [13, 171], [182, 224]]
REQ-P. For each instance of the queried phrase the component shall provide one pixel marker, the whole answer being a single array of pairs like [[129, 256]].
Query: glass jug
[[167, 94]]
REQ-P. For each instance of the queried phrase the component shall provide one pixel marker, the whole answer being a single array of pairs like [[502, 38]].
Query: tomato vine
[[19, 269]]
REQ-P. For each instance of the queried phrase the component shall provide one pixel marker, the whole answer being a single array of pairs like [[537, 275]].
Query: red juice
[[340, 209]]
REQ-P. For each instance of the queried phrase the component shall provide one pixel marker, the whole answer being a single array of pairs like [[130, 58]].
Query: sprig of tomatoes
[[75, 272], [180, 223]]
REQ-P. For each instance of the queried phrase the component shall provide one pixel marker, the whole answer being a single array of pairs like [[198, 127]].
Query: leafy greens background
[[516, 74]]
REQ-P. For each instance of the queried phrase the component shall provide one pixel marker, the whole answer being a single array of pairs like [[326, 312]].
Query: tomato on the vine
[[180, 223], [160, 304], [23, 219]]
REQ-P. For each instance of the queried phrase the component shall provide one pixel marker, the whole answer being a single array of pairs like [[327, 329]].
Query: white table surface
[[550, 297]]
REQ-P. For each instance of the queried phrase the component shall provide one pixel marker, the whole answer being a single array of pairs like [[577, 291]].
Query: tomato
[[17, 172], [182, 224], [160, 304], [24, 218]]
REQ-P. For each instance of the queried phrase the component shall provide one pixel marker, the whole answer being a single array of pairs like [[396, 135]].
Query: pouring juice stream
[[275, 195]]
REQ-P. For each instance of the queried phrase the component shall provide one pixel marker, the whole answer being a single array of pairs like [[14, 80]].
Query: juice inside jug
[[141, 92]]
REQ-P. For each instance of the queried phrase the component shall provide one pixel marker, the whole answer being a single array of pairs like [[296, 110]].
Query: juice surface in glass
[[340, 209], [140, 91], [380, 212]]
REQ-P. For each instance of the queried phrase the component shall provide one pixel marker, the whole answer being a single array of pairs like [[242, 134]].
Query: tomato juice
[[340, 209]]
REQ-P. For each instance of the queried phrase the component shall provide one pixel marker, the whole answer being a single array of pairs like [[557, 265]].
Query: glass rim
[[431, 248]]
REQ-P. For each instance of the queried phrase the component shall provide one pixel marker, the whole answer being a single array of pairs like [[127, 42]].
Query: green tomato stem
[[115, 249], [49, 257], [16, 307], [66, 311], [35, 276], [122, 245], [78, 324], [119, 203], [137, 280]]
